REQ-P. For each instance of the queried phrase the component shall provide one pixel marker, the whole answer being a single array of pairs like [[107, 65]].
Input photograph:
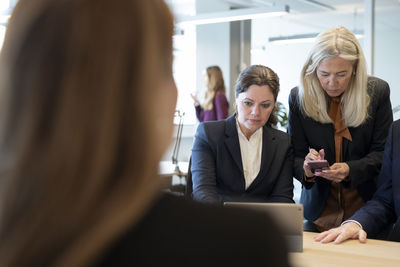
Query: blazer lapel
[[232, 141], [347, 144], [331, 140]]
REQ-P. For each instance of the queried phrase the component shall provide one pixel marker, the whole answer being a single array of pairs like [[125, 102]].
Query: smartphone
[[318, 165]]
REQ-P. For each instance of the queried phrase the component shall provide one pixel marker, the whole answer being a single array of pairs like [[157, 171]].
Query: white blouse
[[251, 154]]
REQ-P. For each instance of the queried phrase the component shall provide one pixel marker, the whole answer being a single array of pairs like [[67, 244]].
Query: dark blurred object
[[175, 153]]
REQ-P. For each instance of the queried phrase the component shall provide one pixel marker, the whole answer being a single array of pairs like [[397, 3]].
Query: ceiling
[[311, 13]]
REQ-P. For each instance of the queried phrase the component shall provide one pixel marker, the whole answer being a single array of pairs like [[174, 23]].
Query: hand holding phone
[[318, 165]]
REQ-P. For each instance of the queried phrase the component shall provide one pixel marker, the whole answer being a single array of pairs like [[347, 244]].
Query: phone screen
[[318, 165]]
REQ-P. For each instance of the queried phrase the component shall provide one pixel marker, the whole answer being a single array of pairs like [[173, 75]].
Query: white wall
[[212, 43], [387, 59]]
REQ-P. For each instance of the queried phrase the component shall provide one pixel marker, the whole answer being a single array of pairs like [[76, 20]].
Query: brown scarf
[[342, 202], [341, 130]]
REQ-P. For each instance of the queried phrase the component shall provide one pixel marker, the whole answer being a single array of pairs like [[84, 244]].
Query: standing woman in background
[[83, 126], [340, 114], [215, 106]]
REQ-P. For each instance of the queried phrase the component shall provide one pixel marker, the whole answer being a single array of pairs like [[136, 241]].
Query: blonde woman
[[340, 114], [83, 126], [215, 105]]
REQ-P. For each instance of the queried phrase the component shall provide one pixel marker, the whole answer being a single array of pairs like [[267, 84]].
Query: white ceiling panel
[[313, 13]]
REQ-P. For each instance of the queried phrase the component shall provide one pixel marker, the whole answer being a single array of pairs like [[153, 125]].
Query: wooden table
[[350, 253]]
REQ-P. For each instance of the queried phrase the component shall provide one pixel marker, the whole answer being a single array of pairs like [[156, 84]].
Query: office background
[[275, 33], [279, 41]]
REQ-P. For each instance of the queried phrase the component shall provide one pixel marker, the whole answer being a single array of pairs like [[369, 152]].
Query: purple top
[[219, 111]]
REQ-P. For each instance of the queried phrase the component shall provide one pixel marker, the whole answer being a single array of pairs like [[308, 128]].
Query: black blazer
[[179, 232], [383, 210], [217, 170], [363, 154]]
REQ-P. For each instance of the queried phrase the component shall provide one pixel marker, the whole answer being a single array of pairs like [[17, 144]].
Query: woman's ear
[[235, 105]]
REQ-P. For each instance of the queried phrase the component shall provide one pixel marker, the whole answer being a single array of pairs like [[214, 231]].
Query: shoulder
[[377, 86], [396, 124], [376, 82], [278, 134], [220, 95], [211, 128], [220, 98], [379, 93], [396, 127], [217, 128]]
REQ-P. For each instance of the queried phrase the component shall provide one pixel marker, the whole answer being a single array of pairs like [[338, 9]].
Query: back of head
[[215, 79], [259, 75], [79, 139], [335, 42]]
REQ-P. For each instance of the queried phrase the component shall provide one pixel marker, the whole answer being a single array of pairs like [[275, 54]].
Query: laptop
[[288, 216]]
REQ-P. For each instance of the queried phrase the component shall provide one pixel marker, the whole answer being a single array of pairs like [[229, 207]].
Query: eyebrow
[[342, 71], [246, 98]]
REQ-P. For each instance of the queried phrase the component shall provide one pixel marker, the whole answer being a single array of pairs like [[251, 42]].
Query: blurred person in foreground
[[380, 217], [87, 103], [342, 115]]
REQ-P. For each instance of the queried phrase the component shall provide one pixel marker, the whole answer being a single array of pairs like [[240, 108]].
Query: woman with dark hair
[[243, 158], [83, 126], [215, 105]]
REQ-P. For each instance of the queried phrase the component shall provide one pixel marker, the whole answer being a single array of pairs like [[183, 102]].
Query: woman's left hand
[[336, 173]]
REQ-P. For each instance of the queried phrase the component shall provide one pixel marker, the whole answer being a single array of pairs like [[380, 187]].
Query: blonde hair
[[78, 166], [215, 85], [335, 42]]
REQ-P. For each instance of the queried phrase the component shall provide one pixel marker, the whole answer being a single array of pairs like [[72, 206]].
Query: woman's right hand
[[312, 155], [196, 101], [349, 230]]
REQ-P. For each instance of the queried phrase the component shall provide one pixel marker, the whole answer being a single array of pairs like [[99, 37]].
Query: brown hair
[[78, 157], [259, 75], [215, 85]]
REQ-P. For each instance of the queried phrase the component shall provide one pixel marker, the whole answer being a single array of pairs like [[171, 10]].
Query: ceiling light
[[234, 15]]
